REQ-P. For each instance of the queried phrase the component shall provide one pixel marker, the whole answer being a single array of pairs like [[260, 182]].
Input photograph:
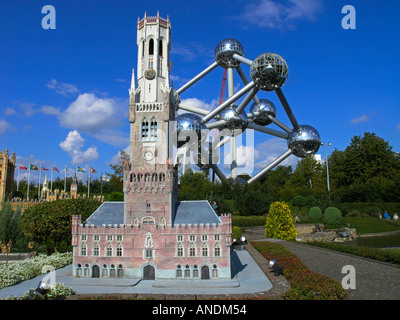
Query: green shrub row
[[250, 221], [362, 251], [370, 208], [304, 283]]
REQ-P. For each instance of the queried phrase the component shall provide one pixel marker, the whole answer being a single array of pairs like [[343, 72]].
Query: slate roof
[[194, 212], [186, 212], [107, 213]]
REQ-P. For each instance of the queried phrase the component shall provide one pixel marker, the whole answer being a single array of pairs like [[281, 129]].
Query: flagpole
[[101, 183], [65, 179], [88, 190], [40, 175], [18, 180], [51, 179], [29, 179]]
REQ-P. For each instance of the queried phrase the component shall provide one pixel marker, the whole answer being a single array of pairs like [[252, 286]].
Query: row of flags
[[33, 167]]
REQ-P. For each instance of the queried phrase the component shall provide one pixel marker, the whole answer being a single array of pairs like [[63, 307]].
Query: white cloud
[[96, 116], [62, 88], [4, 126], [271, 149], [9, 111], [194, 102], [50, 110], [363, 118], [277, 15], [73, 144]]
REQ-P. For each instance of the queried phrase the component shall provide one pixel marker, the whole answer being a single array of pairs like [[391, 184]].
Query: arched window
[[148, 207], [104, 272], [153, 129], [217, 250], [179, 271], [145, 129], [109, 250], [83, 250], [192, 250], [112, 271], [160, 48], [79, 270], [119, 250], [120, 271], [204, 250], [215, 271], [96, 249], [187, 271], [151, 47], [195, 271], [179, 251], [148, 220]]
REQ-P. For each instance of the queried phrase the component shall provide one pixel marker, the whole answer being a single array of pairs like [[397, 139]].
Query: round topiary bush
[[332, 215], [315, 214], [236, 233]]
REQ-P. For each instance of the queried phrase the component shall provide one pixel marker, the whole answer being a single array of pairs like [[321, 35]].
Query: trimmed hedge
[[250, 221], [315, 214], [304, 283], [332, 215], [362, 251]]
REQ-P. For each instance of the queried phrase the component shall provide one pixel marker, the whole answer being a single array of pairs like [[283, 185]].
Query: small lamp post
[[327, 168]]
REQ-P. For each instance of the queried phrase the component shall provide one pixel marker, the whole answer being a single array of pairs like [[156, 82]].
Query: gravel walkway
[[374, 280]]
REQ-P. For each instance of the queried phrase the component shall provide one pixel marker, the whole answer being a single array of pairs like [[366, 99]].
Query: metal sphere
[[304, 142], [233, 120], [261, 111], [188, 124], [269, 71], [225, 50]]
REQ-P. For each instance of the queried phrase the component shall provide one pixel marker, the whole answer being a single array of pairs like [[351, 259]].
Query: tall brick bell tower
[[150, 182]]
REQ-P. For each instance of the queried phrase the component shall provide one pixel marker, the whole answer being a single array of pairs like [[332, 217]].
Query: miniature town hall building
[[151, 235]]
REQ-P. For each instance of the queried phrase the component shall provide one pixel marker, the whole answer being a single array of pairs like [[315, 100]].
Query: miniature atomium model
[[261, 111], [225, 50], [305, 141], [269, 71], [233, 120], [189, 125]]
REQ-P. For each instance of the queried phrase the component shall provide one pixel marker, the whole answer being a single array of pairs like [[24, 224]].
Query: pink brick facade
[[173, 252]]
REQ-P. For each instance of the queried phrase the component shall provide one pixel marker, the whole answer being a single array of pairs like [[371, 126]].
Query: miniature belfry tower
[[151, 235]]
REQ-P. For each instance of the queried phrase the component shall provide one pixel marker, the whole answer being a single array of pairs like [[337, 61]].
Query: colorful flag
[[23, 168], [92, 170], [33, 167], [81, 170], [44, 169], [55, 169]]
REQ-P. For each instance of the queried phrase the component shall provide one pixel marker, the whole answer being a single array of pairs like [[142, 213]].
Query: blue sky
[[64, 92]]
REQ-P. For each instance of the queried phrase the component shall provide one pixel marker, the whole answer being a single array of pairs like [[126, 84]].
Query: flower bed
[[304, 283], [32, 267]]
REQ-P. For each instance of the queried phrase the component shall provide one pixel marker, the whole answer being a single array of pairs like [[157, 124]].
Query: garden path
[[374, 280]]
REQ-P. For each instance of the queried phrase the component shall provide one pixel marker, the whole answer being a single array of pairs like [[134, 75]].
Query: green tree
[[299, 201], [54, 219]]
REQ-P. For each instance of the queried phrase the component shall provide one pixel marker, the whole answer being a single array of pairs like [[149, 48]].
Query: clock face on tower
[[150, 74], [148, 155]]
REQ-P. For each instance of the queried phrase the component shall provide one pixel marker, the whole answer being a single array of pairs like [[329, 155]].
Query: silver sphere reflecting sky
[[188, 124], [305, 141], [225, 50], [233, 120], [261, 111], [269, 71]]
